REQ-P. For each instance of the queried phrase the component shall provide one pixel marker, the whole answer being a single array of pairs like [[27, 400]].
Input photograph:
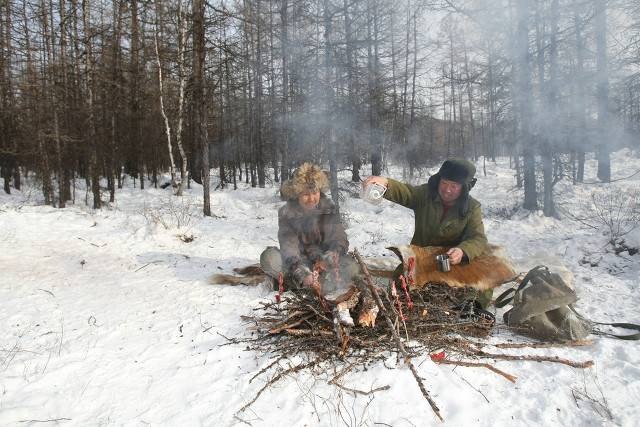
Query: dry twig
[[396, 337], [478, 365]]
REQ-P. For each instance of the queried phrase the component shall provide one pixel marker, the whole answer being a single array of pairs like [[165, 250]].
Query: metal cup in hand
[[373, 193], [443, 263]]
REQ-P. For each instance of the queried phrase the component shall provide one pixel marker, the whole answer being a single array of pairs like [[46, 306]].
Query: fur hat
[[308, 177], [461, 171]]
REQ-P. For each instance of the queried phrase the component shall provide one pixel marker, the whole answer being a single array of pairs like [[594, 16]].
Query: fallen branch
[[308, 332], [576, 343], [266, 368], [478, 365], [279, 329], [277, 378], [396, 337], [363, 393], [554, 359]]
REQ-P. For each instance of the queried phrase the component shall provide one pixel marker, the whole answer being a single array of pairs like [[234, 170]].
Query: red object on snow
[[396, 297], [437, 356], [280, 286], [406, 292], [411, 271]]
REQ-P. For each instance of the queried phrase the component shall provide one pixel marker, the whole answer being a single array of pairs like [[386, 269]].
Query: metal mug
[[443, 262], [373, 193]]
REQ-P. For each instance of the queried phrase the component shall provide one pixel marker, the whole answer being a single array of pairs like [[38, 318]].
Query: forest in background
[[96, 90]]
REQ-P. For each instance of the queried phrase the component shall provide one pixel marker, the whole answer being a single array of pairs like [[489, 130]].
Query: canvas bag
[[543, 309]]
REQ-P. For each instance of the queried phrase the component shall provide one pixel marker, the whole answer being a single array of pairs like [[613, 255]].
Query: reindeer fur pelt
[[249, 275], [253, 274], [486, 271]]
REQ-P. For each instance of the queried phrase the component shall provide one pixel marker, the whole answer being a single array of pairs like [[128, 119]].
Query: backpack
[[543, 309]]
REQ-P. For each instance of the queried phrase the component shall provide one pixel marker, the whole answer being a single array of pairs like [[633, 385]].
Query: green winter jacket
[[466, 232]]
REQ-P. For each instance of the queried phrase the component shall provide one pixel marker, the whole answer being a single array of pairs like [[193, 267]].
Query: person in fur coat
[[310, 233]]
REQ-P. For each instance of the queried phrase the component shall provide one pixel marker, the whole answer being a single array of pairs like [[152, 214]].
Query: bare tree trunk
[[453, 115], [579, 98], [90, 82], [374, 87], [551, 96], [258, 108], [604, 161], [199, 99], [113, 168], [413, 137], [49, 83], [492, 104], [136, 134], [6, 96], [167, 126], [354, 154], [330, 104], [284, 109], [45, 171], [524, 104], [472, 126], [182, 42]]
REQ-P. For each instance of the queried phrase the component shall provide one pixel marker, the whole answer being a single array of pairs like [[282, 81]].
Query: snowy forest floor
[[108, 318]]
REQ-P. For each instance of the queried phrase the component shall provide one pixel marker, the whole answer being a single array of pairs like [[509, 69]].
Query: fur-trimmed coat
[[305, 236]]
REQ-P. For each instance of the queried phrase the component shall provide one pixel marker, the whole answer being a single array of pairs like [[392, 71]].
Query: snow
[[108, 318]]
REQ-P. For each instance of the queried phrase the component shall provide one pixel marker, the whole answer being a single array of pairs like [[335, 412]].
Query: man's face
[[309, 200], [449, 190]]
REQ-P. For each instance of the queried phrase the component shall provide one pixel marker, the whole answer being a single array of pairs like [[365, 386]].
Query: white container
[[373, 193]]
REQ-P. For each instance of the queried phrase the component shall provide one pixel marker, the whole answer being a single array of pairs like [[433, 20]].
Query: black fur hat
[[461, 171], [458, 170]]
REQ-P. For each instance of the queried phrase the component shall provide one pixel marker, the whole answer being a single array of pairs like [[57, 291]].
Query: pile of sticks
[[301, 325], [301, 321]]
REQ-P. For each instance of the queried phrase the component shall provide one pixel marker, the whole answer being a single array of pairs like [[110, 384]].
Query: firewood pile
[[302, 322], [302, 332]]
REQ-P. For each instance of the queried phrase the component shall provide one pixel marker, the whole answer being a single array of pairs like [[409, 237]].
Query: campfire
[[310, 324]]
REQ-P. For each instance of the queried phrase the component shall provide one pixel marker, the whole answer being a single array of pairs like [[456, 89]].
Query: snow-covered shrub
[[617, 211], [506, 211], [176, 213]]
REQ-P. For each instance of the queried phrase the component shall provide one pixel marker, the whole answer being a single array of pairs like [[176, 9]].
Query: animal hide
[[249, 275], [253, 274], [486, 271]]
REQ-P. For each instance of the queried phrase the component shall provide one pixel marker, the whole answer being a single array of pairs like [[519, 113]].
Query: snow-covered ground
[[107, 317]]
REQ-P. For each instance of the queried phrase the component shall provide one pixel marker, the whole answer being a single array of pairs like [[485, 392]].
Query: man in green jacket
[[445, 213]]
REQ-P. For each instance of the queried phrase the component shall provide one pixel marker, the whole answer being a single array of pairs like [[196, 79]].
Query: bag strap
[[628, 337], [503, 299], [506, 297]]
